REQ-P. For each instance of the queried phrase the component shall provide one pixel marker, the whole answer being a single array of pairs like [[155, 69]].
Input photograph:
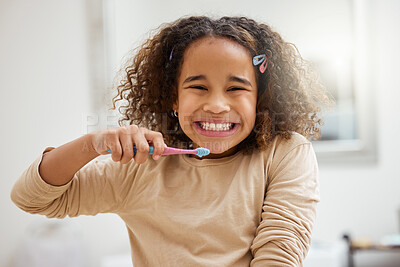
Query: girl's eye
[[198, 87], [236, 89]]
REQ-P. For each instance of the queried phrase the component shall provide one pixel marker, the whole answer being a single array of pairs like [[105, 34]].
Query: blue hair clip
[[258, 59]]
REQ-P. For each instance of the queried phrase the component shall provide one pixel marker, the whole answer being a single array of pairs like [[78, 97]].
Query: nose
[[216, 103]]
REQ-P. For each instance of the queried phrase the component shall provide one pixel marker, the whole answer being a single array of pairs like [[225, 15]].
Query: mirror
[[325, 32]]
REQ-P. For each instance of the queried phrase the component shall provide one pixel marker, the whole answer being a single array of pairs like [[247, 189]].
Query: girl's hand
[[120, 140]]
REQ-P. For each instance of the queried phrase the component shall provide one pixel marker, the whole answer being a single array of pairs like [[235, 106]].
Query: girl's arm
[[284, 235], [59, 165], [60, 183]]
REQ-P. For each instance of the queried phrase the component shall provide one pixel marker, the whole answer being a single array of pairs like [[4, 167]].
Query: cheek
[[184, 121], [185, 110], [185, 116], [250, 122], [249, 112], [188, 103]]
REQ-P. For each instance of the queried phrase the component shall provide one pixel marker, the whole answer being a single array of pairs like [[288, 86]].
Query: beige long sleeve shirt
[[243, 210]]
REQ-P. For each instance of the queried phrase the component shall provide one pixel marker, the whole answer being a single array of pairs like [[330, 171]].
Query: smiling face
[[217, 94]]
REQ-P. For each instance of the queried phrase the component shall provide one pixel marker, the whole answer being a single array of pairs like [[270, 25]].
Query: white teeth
[[216, 126]]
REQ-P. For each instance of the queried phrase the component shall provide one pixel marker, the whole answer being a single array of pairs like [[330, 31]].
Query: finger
[[142, 146], [113, 143], [126, 144], [156, 138]]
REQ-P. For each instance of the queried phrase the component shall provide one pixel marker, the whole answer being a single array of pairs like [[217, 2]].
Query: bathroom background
[[58, 59]]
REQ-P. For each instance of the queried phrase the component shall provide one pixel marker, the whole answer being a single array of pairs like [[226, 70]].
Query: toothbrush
[[200, 152]]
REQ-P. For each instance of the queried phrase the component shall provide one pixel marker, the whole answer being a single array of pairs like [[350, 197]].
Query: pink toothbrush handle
[[200, 152], [174, 151]]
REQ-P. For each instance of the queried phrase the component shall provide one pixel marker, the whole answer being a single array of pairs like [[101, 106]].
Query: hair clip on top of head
[[258, 59]]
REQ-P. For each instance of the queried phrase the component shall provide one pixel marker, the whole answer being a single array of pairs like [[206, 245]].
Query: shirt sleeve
[[95, 188], [284, 234]]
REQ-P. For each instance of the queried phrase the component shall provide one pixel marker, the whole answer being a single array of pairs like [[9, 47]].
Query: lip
[[215, 133], [211, 120]]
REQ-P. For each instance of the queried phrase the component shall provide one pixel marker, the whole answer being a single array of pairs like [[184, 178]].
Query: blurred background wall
[[50, 81], [46, 90]]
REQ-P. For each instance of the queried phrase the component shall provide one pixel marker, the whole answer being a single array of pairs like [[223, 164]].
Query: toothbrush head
[[201, 151]]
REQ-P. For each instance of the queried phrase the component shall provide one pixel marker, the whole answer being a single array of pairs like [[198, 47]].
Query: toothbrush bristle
[[201, 151]]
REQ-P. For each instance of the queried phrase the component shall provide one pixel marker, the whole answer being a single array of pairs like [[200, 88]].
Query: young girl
[[231, 85]]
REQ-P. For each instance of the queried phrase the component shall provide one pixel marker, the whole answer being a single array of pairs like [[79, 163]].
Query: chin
[[222, 149], [217, 151]]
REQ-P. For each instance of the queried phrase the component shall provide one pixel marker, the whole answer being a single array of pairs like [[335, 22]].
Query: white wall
[[46, 88], [365, 199], [45, 83]]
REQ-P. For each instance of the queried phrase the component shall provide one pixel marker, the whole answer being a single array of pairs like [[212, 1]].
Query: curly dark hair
[[289, 94]]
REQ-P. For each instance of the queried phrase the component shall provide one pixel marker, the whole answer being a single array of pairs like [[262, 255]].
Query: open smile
[[216, 129]]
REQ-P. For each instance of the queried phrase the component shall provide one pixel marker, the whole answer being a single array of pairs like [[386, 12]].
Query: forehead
[[217, 56], [224, 45]]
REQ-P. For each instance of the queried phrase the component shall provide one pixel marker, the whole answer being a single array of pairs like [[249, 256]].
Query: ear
[[175, 106]]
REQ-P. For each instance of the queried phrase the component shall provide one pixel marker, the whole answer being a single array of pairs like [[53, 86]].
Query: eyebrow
[[231, 79], [240, 80], [194, 78]]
